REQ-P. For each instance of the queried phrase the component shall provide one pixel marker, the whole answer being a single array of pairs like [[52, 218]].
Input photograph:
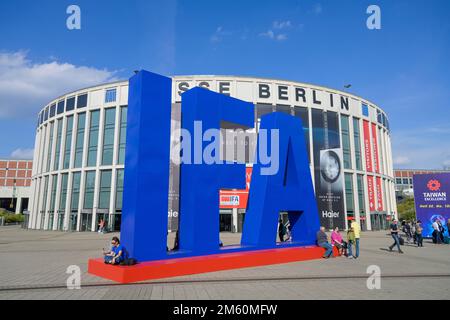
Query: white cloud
[[282, 24], [273, 36], [22, 154], [219, 34], [401, 160], [26, 86]]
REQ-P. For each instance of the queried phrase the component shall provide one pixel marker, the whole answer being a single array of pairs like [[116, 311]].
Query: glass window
[[50, 146], [60, 108], [284, 108], [46, 114], [119, 189], [357, 141], [365, 110], [79, 144], [122, 134], [82, 101], [346, 142], [58, 145], [76, 183], [262, 109], [349, 194], [44, 198], [361, 202], [110, 96], [108, 136], [52, 110], [70, 104], [398, 181], [93, 139], [53, 194], [105, 189], [63, 199], [89, 190], [68, 143], [302, 113], [405, 181]]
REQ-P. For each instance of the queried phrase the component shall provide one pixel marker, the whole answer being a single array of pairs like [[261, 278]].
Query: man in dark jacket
[[322, 241]]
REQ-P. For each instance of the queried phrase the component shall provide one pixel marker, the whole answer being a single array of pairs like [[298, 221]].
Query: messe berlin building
[[80, 144]]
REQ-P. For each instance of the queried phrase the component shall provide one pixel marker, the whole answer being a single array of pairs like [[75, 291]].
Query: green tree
[[407, 210]]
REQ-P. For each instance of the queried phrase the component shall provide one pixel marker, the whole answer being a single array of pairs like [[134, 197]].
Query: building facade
[[15, 183], [81, 141], [404, 180]]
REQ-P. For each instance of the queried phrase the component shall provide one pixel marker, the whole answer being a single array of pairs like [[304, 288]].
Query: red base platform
[[187, 266]]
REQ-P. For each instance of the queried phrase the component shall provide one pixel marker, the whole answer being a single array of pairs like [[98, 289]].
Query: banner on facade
[[432, 199], [329, 182]]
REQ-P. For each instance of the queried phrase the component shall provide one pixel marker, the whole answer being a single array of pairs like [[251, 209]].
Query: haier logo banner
[[328, 169], [432, 198]]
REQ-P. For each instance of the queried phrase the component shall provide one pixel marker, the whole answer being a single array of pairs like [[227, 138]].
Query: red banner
[[375, 148], [367, 147], [379, 195], [370, 188], [236, 199]]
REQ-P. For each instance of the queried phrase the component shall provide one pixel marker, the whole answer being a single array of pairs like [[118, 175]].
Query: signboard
[[370, 188], [432, 198], [367, 146], [380, 206], [236, 199], [328, 169]]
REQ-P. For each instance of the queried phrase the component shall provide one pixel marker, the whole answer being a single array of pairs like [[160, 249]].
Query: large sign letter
[[146, 181], [200, 182], [290, 190]]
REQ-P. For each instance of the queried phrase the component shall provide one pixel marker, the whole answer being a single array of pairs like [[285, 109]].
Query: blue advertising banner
[[432, 199]]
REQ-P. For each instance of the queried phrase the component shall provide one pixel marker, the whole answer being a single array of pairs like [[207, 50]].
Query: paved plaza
[[33, 265]]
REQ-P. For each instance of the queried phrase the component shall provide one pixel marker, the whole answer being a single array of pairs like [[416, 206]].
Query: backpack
[[127, 261]]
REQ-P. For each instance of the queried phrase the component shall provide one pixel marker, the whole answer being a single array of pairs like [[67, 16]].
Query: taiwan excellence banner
[[432, 198], [328, 169]]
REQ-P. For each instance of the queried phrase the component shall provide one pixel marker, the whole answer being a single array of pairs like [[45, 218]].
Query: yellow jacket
[[356, 229]]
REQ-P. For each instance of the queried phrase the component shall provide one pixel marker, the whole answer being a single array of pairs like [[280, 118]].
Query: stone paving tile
[[29, 259]]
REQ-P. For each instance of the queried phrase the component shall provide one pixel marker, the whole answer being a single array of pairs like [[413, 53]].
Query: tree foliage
[[407, 210]]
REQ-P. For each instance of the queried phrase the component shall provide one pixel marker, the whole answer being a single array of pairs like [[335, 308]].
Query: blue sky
[[404, 67]]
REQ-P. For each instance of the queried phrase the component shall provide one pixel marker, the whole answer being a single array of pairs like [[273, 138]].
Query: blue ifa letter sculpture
[[146, 182]]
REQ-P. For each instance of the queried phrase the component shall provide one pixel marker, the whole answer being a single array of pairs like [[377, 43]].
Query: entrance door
[[225, 222], [61, 221], [73, 221], [86, 221]]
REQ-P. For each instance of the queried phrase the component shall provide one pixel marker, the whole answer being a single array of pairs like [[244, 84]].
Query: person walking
[[281, 230], [394, 234], [418, 234], [322, 241], [413, 231], [441, 231], [407, 231], [350, 241], [357, 230], [435, 233], [101, 226]]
